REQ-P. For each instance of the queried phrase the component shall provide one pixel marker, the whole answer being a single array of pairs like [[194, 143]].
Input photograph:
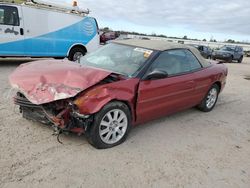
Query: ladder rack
[[52, 6]]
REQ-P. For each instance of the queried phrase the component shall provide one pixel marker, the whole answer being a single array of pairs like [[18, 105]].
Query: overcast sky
[[220, 19]]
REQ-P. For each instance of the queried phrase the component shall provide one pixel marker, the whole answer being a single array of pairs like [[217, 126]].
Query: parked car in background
[[107, 36], [122, 84], [35, 29], [229, 53], [145, 38], [123, 37], [205, 51]]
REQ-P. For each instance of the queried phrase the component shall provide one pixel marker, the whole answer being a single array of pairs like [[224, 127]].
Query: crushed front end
[[62, 115], [47, 90]]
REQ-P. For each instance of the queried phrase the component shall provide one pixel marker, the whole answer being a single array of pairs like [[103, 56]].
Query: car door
[[236, 53], [240, 52], [160, 97], [11, 31]]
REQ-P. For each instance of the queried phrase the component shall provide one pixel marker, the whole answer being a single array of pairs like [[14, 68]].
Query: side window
[[239, 49], [1, 15], [9, 16], [176, 62], [200, 48]]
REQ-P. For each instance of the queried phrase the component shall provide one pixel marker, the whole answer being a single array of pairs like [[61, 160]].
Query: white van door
[[11, 31]]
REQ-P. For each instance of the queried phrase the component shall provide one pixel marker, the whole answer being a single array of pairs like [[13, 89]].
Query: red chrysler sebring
[[120, 85]]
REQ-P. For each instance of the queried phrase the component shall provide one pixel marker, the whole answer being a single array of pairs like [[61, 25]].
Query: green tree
[[106, 29], [17, 1], [185, 37], [230, 41]]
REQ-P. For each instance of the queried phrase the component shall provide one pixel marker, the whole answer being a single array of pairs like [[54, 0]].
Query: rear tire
[[210, 100], [76, 53], [110, 127]]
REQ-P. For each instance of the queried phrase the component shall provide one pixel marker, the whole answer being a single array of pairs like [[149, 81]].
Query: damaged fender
[[92, 101]]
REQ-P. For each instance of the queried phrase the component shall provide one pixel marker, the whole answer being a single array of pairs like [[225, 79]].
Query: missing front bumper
[[29, 110], [65, 119]]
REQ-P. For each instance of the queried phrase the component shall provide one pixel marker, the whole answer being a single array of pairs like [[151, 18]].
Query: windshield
[[122, 59], [228, 48], [194, 45]]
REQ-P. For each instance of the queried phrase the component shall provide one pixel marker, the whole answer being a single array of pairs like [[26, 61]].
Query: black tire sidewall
[[93, 135], [240, 60]]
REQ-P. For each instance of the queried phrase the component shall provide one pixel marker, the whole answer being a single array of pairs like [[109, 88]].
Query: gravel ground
[[188, 149]]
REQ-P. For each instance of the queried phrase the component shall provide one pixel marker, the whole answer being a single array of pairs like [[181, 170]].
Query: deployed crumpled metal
[[50, 80]]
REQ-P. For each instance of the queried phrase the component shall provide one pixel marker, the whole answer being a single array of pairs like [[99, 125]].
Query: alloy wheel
[[113, 126], [211, 98]]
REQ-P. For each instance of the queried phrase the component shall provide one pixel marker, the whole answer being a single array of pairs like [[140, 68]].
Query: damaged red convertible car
[[120, 85]]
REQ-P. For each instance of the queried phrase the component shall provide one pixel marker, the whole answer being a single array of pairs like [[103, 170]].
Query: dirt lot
[[188, 149]]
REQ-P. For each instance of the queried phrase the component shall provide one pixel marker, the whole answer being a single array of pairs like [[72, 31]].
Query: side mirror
[[157, 74]]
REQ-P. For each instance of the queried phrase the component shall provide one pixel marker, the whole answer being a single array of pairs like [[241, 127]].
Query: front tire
[[210, 100], [110, 127], [240, 60]]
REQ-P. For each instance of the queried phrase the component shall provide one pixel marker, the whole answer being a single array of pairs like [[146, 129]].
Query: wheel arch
[[75, 46], [127, 103], [218, 83], [95, 107], [124, 102]]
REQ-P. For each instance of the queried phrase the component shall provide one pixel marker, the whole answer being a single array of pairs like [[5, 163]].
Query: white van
[[40, 30]]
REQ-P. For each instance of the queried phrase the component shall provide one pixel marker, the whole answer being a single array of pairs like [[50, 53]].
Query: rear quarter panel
[[204, 79]]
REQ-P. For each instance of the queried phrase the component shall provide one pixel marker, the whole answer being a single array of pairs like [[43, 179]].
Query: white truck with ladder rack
[[41, 29]]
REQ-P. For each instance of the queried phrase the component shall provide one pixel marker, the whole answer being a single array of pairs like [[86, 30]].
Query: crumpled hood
[[50, 80]]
